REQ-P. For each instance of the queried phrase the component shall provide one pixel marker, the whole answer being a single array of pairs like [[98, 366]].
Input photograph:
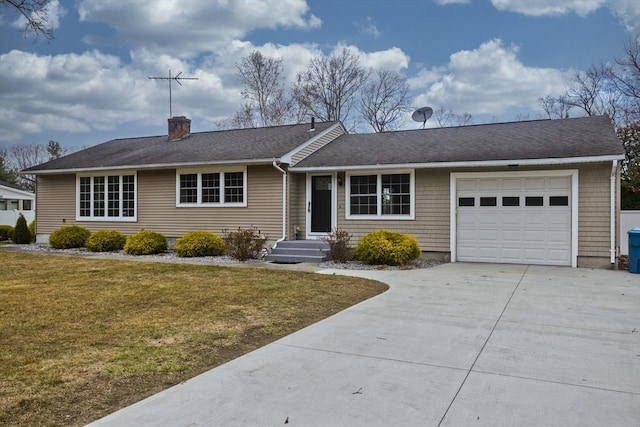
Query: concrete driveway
[[455, 345]]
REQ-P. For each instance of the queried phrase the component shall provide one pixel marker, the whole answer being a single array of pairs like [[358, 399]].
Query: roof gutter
[[276, 164], [484, 163], [613, 214], [150, 166]]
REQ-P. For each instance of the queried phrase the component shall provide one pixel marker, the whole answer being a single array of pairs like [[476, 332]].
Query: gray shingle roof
[[539, 139], [241, 145]]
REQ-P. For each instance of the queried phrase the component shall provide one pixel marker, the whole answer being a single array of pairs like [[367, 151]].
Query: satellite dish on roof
[[422, 115]]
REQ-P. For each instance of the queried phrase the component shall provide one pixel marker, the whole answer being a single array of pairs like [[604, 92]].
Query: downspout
[[612, 179], [276, 164]]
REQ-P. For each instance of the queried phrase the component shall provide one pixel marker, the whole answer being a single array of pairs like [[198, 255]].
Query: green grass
[[80, 338]]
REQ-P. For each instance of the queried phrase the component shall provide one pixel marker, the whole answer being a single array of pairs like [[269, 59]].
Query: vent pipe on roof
[[179, 128], [313, 124]]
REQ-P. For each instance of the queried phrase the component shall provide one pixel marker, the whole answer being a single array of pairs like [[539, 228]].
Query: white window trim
[[573, 202], [379, 215], [221, 171], [105, 218]]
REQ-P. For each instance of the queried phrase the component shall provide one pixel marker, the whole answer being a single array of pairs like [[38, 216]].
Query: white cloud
[[187, 28], [629, 13], [445, 2], [53, 11], [490, 80], [548, 7], [393, 59], [369, 27]]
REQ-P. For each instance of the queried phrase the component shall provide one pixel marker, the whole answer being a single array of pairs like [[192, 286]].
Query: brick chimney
[[179, 127]]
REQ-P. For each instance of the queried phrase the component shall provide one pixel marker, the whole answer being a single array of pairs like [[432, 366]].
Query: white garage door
[[523, 220]]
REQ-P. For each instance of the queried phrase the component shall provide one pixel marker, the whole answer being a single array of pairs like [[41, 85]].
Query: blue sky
[[490, 58]]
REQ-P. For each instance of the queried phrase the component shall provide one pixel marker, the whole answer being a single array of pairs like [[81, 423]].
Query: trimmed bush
[[68, 237], [145, 242], [105, 241], [21, 233], [340, 245], [244, 243], [200, 243], [387, 247], [6, 232], [32, 230]]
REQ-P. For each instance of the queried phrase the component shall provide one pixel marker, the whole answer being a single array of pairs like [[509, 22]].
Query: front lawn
[[80, 338]]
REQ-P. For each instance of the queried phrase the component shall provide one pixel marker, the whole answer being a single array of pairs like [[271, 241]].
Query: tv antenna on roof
[[422, 115], [171, 78]]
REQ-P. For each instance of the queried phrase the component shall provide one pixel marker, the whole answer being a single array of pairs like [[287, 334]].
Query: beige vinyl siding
[[55, 202], [156, 206], [594, 212], [332, 134], [298, 204]]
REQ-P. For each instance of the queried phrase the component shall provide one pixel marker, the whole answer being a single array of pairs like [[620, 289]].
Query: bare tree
[[626, 79], [26, 156], [264, 90], [328, 88], [555, 107], [384, 100], [36, 14], [463, 119], [445, 117]]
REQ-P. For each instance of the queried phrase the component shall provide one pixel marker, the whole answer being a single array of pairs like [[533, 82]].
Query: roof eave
[[150, 166], [450, 165]]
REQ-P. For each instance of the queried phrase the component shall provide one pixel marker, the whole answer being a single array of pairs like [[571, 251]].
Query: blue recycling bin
[[634, 250]]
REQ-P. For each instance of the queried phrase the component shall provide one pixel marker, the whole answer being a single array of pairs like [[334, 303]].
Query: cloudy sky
[[490, 58]]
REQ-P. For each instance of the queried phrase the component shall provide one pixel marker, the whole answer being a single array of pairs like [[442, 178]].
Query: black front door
[[321, 204]]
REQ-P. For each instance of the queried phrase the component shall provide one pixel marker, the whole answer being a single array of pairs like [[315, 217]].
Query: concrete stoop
[[297, 251]]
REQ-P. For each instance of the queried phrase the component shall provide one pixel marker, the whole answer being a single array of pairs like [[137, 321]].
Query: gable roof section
[[539, 141], [253, 145]]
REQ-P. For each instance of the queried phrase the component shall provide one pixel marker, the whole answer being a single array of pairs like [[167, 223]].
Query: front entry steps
[[297, 251]]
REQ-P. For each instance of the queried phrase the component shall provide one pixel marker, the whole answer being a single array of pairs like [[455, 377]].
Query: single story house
[[537, 192], [16, 201]]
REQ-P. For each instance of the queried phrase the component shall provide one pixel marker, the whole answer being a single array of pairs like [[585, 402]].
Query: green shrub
[[145, 242], [21, 233], [200, 243], [105, 241], [340, 245], [6, 232], [387, 247], [32, 230], [71, 236], [245, 243]]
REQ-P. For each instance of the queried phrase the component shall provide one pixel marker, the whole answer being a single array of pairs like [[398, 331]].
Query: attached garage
[[515, 217]]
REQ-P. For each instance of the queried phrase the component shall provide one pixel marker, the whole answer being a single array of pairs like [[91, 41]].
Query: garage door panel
[[515, 233]]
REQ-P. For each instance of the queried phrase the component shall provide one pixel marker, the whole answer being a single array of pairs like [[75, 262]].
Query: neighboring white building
[[15, 201]]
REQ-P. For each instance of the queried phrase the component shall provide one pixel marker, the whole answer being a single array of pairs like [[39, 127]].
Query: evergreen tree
[[21, 233]]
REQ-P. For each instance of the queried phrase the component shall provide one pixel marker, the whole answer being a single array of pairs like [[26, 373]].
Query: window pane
[[210, 188], [559, 201], [189, 188], [113, 192], [233, 187], [466, 201], [396, 198], [534, 201], [511, 201], [364, 198], [128, 198], [26, 205], [98, 196], [488, 201], [85, 196]]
